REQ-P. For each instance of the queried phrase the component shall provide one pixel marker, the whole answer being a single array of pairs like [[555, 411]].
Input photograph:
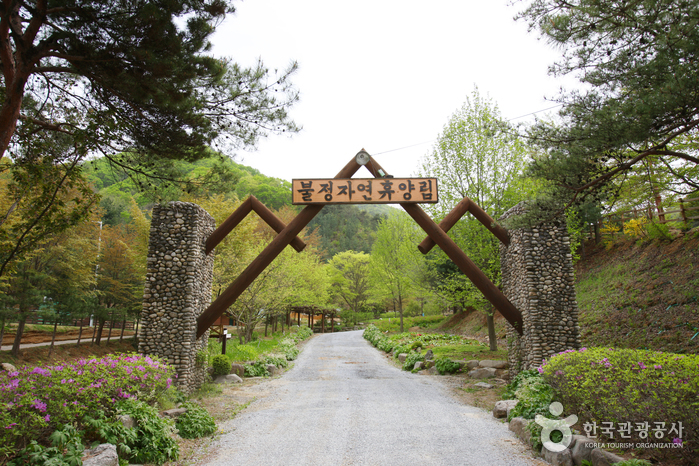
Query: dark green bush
[[625, 385], [196, 422], [411, 360], [256, 369], [446, 366], [221, 364]]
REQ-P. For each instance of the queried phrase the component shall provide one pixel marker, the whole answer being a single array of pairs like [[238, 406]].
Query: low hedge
[[619, 386]]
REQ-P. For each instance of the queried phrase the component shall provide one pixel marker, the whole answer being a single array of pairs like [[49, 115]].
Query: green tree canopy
[[640, 96], [131, 77], [350, 279], [476, 156], [396, 264]]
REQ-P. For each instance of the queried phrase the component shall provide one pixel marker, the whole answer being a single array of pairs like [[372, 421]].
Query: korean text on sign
[[365, 191]]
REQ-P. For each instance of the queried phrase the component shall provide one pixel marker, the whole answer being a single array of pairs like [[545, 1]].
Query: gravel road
[[343, 404]]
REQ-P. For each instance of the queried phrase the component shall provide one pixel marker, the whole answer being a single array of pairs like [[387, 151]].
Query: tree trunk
[[80, 333], [111, 326], [248, 333], [100, 327], [2, 330], [94, 332], [491, 331], [266, 325], [18, 335], [53, 337], [400, 309], [123, 326]]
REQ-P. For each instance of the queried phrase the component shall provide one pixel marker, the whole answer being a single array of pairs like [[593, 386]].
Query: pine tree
[[639, 99]]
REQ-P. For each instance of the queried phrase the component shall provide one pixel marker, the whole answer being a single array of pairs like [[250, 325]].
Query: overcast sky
[[384, 74]]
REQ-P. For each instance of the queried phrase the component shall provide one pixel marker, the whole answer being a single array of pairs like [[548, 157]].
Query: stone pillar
[[538, 278], [177, 289]]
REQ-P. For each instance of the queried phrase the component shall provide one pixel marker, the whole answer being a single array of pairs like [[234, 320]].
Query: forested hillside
[[340, 228]]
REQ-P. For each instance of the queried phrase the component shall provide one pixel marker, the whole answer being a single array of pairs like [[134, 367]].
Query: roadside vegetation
[[51, 412]]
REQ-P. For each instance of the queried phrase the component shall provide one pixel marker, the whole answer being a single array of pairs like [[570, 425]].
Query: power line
[[432, 140]]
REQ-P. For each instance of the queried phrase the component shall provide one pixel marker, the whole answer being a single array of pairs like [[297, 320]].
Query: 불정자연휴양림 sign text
[[364, 191]]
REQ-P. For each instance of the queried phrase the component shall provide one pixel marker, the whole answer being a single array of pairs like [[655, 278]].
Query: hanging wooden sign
[[364, 191]]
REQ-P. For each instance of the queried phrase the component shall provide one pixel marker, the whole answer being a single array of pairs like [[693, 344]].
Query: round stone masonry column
[[538, 278], [177, 289]]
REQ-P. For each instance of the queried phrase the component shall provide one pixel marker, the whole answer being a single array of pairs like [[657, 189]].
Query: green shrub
[[534, 395], [303, 333], [658, 231], [151, 441], [289, 349], [221, 365], [411, 360], [446, 366], [636, 386], [242, 353], [66, 449], [385, 345], [256, 369], [276, 359], [372, 334], [196, 422]]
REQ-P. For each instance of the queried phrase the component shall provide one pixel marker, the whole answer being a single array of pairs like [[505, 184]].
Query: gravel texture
[[343, 404]]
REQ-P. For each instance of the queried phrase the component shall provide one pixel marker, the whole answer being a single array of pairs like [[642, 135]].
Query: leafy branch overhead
[[639, 97], [133, 81], [132, 77]]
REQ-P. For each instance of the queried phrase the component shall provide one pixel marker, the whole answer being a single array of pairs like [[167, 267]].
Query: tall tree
[[63, 265], [476, 156], [396, 262], [350, 279], [119, 277], [131, 80], [131, 77], [639, 99]]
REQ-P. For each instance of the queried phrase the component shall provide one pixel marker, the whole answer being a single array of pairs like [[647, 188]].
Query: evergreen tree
[[640, 99]]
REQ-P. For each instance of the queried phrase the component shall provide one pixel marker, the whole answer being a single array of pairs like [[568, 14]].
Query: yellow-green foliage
[[609, 229], [635, 228], [625, 385]]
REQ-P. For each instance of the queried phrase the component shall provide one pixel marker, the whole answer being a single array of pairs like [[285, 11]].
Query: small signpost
[[364, 191]]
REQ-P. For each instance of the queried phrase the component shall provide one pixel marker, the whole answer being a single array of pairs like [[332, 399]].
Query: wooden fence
[[655, 214]]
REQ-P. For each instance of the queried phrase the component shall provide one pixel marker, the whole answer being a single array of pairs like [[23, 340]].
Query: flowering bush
[[630, 386], [288, 347], [35, 401]]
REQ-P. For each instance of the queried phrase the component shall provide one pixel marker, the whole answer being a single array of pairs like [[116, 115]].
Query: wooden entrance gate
[[287, 235]]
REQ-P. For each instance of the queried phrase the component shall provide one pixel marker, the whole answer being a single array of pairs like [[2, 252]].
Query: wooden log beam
[[467, 205], [466, 265], [273, 249], [248, 205]]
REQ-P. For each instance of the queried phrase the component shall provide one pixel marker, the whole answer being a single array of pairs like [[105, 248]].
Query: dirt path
[[344, 404]]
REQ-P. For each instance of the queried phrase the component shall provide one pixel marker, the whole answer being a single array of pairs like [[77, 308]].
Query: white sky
[[384, 74]]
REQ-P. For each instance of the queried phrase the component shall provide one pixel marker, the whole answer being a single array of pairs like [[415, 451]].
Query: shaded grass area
[[641, 296], [468, 352], [237, 352], [63, 353], [392, 324]]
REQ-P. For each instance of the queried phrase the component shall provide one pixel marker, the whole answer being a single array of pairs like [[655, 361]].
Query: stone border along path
[[343, 404]]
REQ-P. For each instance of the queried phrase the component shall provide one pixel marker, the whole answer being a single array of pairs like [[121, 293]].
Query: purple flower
[[657, 366], [677, 441], [47, 418], [39, 405], [641, 365]]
